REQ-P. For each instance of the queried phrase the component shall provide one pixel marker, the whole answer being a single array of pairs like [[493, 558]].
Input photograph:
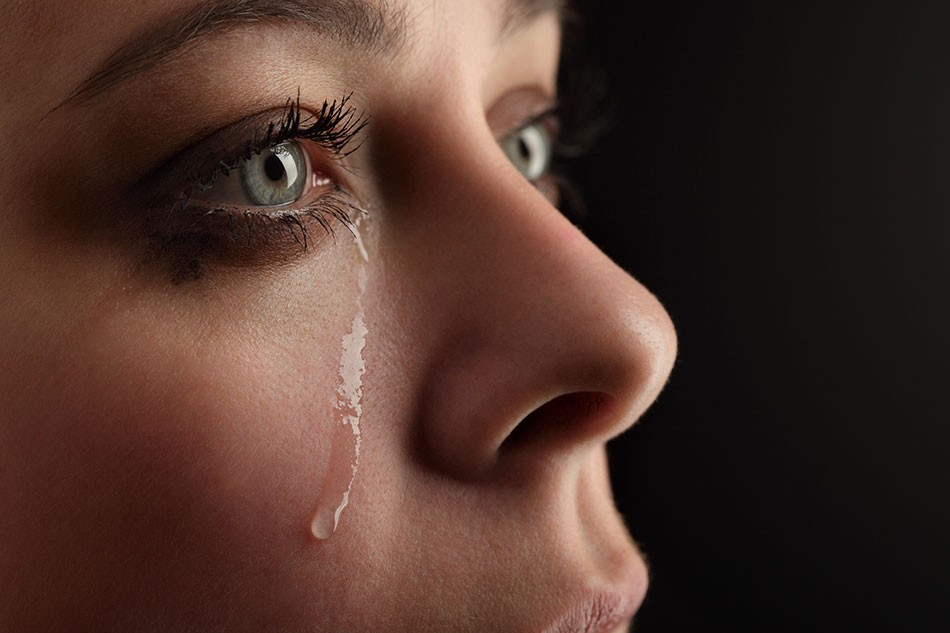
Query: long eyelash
[[200, 232], [584, 112], [334, 128], [585, 109], [246, 225], [586, 106]]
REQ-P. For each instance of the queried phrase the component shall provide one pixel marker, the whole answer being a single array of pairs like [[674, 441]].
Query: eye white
[[276, 176], [529, 150]]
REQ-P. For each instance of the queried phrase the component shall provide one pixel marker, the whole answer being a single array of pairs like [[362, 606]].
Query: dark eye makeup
[[187, 221], [194, 224]]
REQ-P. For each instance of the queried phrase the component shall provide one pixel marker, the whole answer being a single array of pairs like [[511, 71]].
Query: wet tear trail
[[346, 439]]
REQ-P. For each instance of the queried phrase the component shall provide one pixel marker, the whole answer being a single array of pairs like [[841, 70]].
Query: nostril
[[567, 419]]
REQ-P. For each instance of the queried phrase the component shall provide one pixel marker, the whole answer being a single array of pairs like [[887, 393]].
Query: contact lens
[[347, 437]]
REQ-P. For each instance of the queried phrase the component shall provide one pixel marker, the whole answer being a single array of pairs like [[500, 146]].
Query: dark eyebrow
[[370, 27], [373, 28]]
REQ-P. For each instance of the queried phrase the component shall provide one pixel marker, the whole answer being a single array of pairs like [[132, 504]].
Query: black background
[[779, 175]]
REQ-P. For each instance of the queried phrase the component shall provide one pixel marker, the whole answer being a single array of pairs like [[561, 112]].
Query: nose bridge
[[522, 312]]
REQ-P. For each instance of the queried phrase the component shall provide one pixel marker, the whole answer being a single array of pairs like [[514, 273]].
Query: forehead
[[59, 43]]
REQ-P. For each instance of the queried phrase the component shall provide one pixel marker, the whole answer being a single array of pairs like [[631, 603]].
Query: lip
[[599, 612]]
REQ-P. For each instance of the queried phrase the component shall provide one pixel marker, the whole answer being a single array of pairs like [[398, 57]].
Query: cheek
[[162, 456]]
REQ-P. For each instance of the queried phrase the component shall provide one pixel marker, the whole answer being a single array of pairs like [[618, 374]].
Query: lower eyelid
[[166, 218], [197, 237]]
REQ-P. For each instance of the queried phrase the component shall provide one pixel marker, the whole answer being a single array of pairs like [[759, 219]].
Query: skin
[[164, 441]]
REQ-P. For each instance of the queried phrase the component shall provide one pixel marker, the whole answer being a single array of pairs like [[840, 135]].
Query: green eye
[[529, 150], [274, 177]]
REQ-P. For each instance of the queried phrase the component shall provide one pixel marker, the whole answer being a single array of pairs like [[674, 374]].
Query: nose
[[535, 346]]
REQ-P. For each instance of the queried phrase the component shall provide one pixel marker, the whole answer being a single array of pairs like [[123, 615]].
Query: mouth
[[606, 612]]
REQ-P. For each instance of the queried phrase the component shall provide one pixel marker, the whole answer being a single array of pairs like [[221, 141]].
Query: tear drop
[[347, 439]]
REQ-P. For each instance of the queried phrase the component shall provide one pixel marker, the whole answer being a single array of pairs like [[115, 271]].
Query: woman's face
[[217, 415]]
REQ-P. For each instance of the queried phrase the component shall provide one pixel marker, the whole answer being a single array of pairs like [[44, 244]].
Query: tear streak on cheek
[[347, 438]]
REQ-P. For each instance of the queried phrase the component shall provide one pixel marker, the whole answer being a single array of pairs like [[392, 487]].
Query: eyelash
[[333, 129], [198, 228], [583, 115]]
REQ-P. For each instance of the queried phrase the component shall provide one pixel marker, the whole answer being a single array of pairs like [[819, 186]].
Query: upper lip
[[598, 612]]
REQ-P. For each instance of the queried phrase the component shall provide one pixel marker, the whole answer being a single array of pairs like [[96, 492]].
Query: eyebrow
[[370, 27]]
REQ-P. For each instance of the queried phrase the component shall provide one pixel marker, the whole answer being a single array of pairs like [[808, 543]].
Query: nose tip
[[536, 343], [564, 352], [625, 357], [650, 341]]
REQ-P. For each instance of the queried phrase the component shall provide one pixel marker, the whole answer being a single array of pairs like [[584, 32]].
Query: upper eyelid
[[225, 147], [518, 107], [197, 157], [550, 117], [221, 149]]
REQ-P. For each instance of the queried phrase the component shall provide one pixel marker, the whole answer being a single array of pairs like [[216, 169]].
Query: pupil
[[523, 149], [274, 168]]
